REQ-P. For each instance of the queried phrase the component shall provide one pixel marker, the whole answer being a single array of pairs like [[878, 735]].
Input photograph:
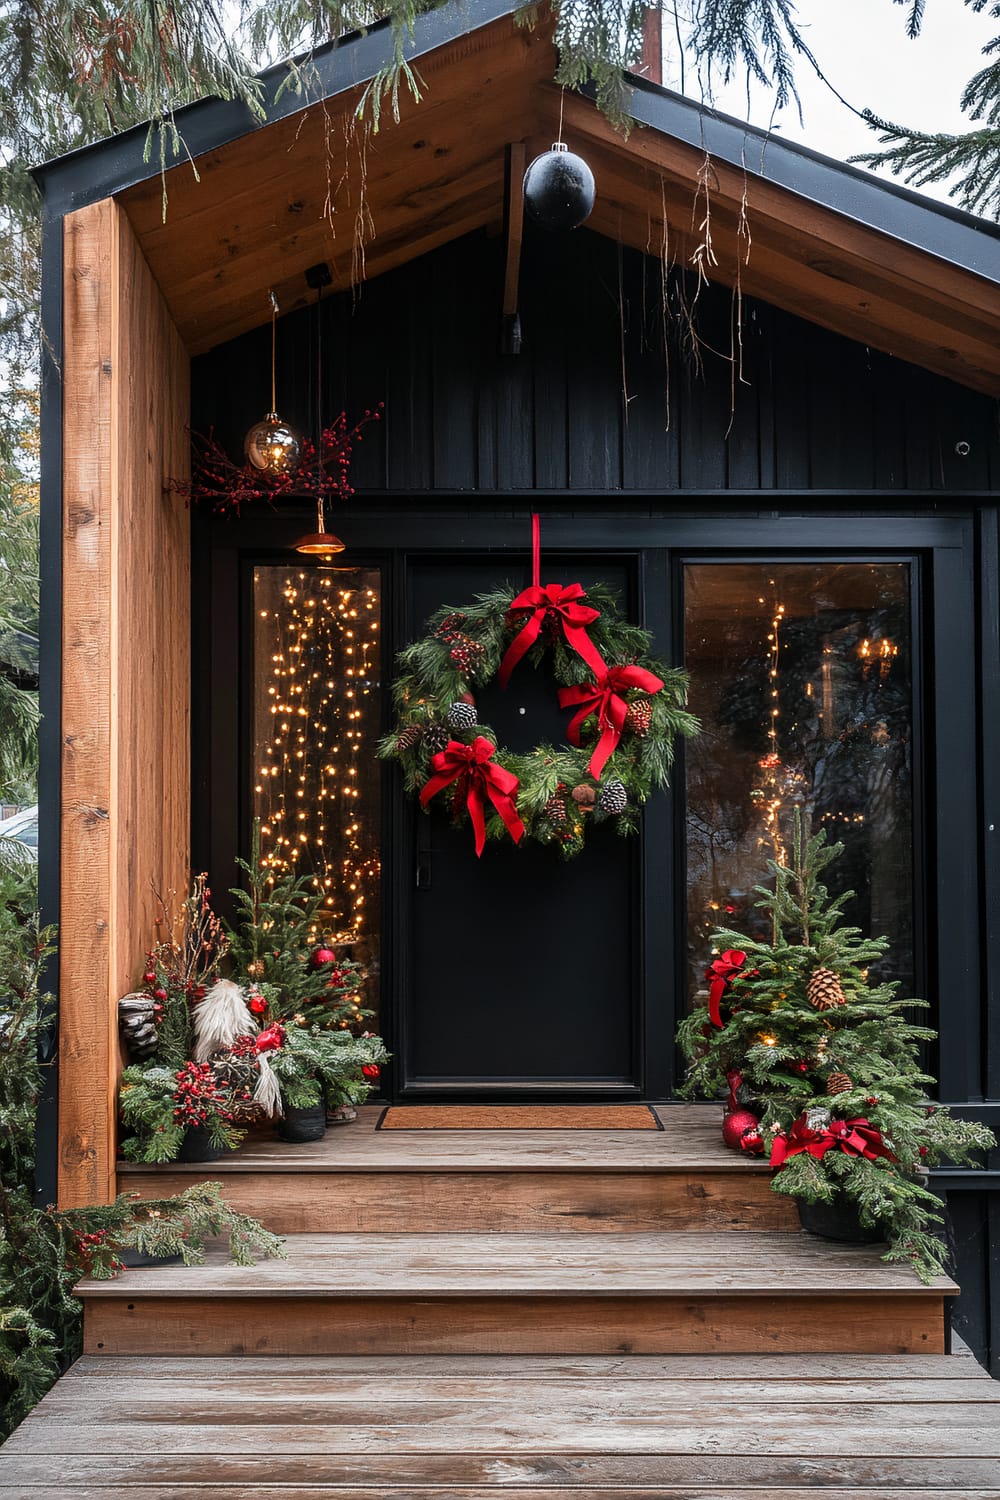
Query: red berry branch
[[226, 486]]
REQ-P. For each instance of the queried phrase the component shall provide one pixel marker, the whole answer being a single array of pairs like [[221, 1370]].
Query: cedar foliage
[[788, 1051]]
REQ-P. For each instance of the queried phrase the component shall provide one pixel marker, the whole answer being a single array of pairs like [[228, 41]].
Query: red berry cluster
[[197, 1095], [466, 654], [228, 486]]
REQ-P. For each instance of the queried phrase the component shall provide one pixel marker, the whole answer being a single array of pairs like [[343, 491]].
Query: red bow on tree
[[721, 974], [271, 1039], [564, 604], [603, 698], [854, 1137], [476, 777]]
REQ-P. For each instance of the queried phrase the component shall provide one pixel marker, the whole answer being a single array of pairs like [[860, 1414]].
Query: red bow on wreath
[[476, 777], [854, 1137], [721, 973], [563, 602], [603, 698]]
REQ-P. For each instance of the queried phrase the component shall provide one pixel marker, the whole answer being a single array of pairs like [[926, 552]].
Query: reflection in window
[[801, 676], [315, 725]]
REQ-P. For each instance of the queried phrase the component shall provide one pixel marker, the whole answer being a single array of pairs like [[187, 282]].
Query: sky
[[864, 51]]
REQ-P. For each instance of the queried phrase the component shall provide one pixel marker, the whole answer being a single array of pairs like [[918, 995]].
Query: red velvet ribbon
[[734, 1078], [603, 697], [564, 602], [854, 1137], [476, 777], [721, 973]]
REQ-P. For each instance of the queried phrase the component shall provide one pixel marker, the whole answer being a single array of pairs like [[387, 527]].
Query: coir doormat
[[519, 1117]]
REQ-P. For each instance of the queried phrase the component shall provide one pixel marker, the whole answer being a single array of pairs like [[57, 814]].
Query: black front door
[[521, 970]]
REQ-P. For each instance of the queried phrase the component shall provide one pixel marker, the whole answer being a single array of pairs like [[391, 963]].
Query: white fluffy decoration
[[267, 1093], [220, 1018]]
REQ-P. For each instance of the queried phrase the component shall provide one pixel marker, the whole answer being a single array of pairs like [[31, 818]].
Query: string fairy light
[[315, 789]]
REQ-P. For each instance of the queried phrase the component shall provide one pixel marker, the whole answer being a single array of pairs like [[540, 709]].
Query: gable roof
[[865, 258]]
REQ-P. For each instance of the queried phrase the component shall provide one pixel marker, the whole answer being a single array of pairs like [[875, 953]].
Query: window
[[316, 720], [801, 675]]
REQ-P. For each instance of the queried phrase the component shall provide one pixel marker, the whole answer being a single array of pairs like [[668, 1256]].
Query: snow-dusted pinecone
[[825, 990], [838, 1083], [555, 810], [612, 797], [638, 717], [137, 1023], [410, 736], [462, 715], [436, 738]]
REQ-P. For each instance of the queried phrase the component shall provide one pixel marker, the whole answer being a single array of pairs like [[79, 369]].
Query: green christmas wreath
[[627, 707]]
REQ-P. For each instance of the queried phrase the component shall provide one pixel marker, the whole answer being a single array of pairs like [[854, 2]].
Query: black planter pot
[[197, 1146], [839, 1220], [140, 1258], [306, 1124]]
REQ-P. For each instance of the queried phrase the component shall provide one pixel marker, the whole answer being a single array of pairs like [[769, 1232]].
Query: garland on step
[[626, 707]]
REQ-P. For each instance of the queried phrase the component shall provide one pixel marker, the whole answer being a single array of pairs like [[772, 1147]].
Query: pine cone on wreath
[[613, 798], [410, 736], [639, 717], [436, 738], [555, 810], [448, 630], [462, 715], [825, 990], [838, 1083]]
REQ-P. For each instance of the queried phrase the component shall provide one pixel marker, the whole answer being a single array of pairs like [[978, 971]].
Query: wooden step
[[526, 1294], [361, 1180], [770, 1427]]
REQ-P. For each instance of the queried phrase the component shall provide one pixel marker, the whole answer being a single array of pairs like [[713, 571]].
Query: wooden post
[[126, 671]]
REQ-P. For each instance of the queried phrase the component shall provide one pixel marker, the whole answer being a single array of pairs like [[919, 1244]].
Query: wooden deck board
[[250, 1429], [513, 1265], [689, 1141]]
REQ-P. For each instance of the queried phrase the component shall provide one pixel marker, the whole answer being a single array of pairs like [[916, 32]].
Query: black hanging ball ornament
[[559, 189]]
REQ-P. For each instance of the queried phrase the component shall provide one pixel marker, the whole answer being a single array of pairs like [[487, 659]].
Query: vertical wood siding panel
[[126, 695], [819, 412], [456, 350], [87, 1037]]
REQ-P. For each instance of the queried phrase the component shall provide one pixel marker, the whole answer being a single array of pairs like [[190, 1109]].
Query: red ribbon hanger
[[721, 974], [476, 778], [560, 602], [603, 698]]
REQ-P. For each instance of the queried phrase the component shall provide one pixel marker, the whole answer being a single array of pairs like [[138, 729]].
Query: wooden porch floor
[[480, 1427]]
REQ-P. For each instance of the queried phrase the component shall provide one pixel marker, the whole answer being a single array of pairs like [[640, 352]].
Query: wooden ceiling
[[281, 198]]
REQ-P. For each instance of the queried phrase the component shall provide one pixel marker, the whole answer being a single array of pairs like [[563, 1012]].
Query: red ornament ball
[[371, 1071], [258, 1004], [323, 956], [735, 1123]]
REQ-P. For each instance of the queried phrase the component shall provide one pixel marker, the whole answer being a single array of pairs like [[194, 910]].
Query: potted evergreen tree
[[833, 1063]]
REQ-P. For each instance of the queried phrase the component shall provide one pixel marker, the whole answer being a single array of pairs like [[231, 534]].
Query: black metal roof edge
[[941, 229], [948, 233], [118, 162]]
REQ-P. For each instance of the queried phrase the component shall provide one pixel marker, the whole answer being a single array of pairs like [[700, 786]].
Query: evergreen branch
[[920, 158]]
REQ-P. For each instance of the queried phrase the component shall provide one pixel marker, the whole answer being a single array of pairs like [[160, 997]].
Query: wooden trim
[[519, 1325], [125, 752]]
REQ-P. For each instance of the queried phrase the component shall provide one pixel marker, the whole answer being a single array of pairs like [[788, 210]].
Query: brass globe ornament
[[273, 445]]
